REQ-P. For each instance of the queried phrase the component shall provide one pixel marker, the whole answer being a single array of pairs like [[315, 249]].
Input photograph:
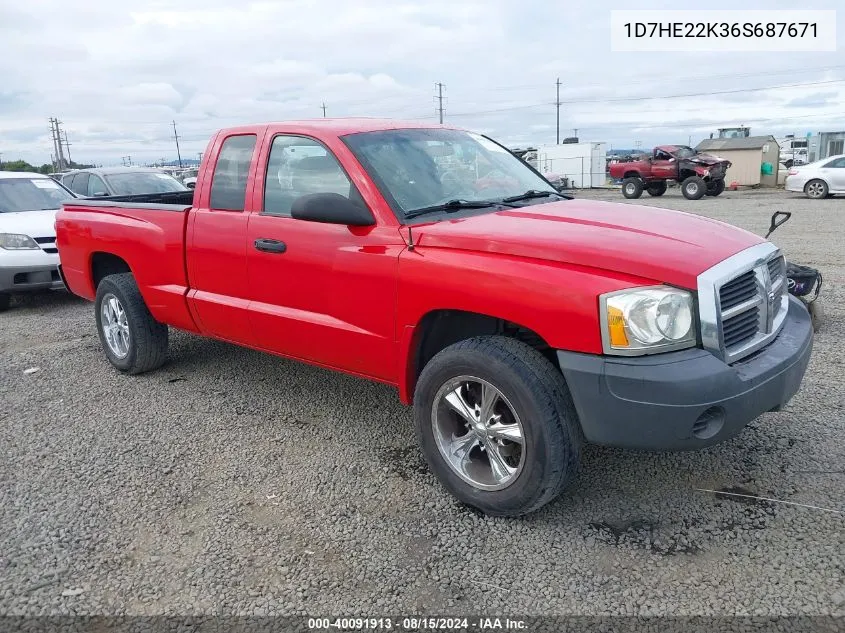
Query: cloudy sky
[[118, 73]]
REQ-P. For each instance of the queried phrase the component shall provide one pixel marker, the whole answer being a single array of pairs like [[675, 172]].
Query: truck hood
[[707, 159], [32, 223], [660, 245]]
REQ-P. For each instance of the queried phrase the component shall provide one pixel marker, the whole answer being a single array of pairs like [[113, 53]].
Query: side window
[[80, 184], [228, 184], [299, 166], [96, 186], [839, 163]]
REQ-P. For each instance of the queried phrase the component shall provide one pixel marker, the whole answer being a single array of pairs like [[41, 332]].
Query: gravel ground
[[235, 482]]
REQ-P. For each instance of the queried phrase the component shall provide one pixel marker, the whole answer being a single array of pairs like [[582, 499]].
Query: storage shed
[[754, 159]]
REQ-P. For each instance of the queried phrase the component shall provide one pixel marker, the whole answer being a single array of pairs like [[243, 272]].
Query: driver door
[[320, 292], [663, 165]]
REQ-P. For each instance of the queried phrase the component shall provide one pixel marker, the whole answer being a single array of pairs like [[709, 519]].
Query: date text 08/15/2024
[[419, 623]]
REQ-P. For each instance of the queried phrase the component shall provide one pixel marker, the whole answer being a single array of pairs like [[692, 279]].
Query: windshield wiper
[[532, 193], [454, 205]]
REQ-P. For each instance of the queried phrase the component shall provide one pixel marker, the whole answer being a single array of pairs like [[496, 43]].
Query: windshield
[[31, 194], [684, 152], [128, 184], [421, 168]]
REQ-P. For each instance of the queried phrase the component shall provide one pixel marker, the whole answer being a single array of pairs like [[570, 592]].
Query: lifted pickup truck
[[519, 322], [698, 174]]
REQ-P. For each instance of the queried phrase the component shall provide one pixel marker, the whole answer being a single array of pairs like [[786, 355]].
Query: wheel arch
[[103, 264], [440, 328]]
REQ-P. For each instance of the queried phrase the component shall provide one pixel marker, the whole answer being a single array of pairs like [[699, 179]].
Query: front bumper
[[30, 278], [689, 399]]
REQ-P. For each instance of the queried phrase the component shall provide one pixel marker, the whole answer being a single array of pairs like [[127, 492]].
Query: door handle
[[270, 246]]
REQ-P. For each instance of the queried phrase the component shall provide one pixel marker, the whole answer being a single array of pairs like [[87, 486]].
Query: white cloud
[[118, 73]]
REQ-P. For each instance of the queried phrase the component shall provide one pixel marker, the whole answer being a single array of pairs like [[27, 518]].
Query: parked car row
[[120, 181], [29, 258]]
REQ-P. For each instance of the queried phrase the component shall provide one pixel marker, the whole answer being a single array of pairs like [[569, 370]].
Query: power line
[[649, 98]]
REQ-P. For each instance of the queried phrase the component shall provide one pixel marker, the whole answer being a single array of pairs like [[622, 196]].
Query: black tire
[[147, 346], [5, 301], [693, 188], [657, 189], [715, 187], [816, 189], [538, 394], [632, 188]]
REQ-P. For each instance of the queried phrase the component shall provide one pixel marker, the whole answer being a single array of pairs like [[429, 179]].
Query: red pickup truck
[[519, 322], [698, 174]]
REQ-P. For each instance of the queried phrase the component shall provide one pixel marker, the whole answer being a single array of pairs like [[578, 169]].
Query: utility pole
[[575, 130], [557, 104], [67, 145], [439, 98], [57, 143], [324, 109], [178, 153], [200, 156]]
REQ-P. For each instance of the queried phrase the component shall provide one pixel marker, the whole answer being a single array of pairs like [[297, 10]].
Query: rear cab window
[[228, 184]]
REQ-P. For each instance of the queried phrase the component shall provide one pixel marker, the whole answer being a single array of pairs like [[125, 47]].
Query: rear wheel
[[656, 188], [816, 189], [497, 425], [134, 342], [632, 188], [715, 187], [693, 188], [5, 301]]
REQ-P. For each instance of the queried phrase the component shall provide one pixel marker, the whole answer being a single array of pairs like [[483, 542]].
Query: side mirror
[[330, 208]]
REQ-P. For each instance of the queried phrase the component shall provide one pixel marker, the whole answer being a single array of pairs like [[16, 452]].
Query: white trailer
[[584, 164]]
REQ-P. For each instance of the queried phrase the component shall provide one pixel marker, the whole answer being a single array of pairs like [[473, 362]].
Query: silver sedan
[[819, 179]]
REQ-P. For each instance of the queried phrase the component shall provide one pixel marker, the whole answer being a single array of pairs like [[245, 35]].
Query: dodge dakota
[[518, 322]]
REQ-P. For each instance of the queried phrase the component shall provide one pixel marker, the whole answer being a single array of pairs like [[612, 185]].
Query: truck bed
[[144, 234]]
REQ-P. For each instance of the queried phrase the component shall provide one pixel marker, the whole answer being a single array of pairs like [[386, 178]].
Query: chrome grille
[[738, 290], [741, 327], [743, 302]]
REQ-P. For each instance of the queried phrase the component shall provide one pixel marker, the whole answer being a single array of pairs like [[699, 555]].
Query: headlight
[[16, 242], [647, 321]]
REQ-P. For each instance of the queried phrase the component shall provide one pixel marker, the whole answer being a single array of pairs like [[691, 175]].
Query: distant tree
[[17, 165], [46, 168]]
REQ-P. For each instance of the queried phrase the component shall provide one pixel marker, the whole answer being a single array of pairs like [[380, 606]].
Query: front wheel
[[134, 342], [693, 188], [632, 188], [816, 189], [497, 425]]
